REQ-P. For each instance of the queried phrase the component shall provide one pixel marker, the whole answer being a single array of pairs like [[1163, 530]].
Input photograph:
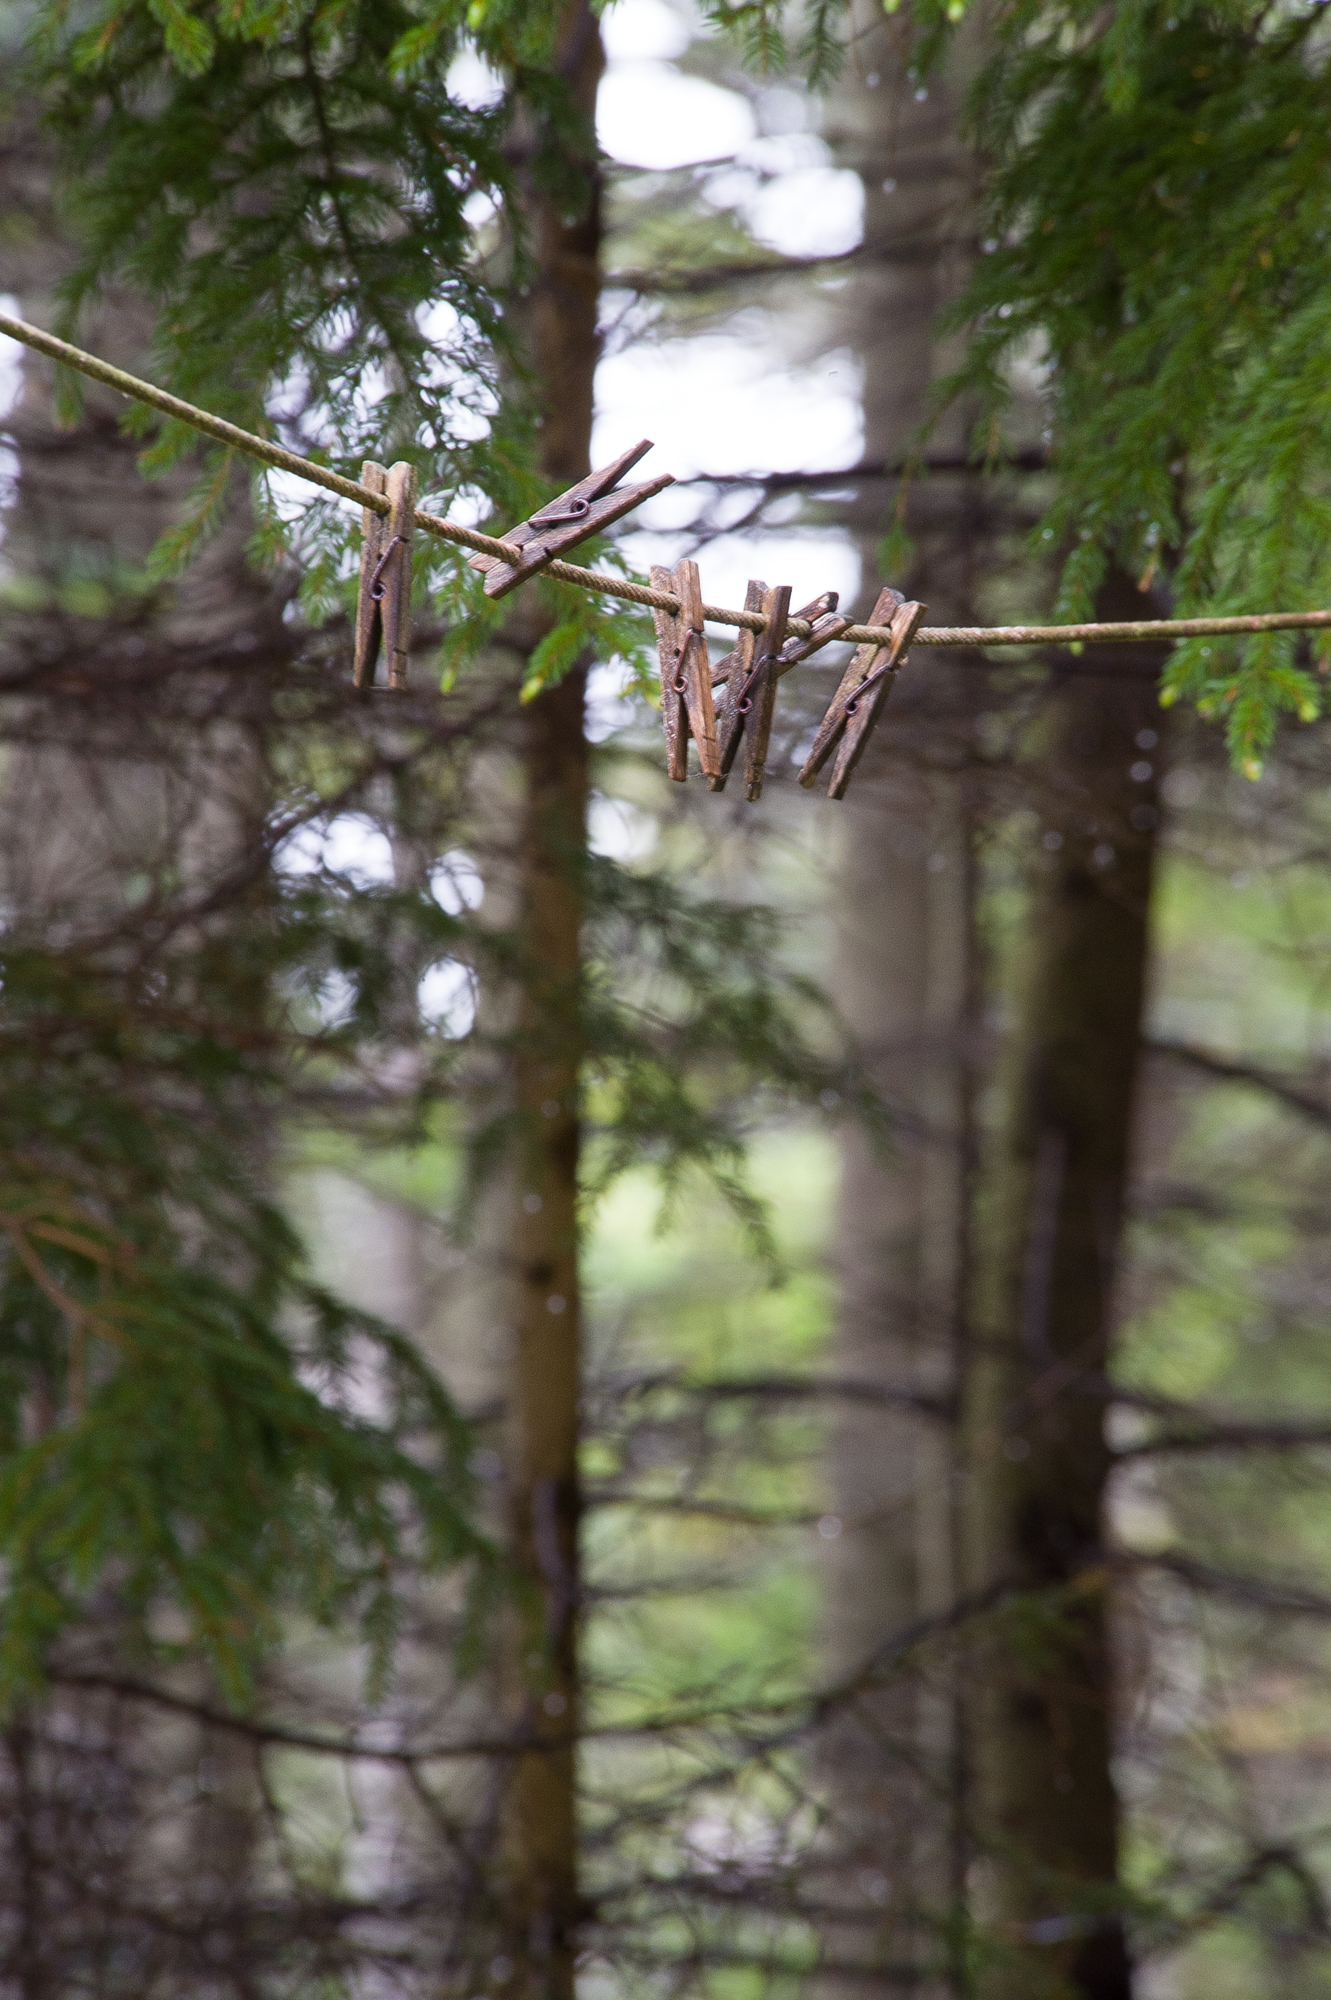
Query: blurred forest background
[[606, 1388]]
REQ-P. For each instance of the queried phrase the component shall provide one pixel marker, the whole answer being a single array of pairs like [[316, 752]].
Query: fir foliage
[[1161, 216], [185, 1419], [297, 186], [302, 190], [295, 205], [1156, 228]]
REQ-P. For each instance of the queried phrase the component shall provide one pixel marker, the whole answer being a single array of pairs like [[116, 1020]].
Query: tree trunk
[[1039, 1463], [544, 1491], [905, 981]]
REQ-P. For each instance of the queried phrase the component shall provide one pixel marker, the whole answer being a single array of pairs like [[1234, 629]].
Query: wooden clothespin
[[750, 698], [383, 609], [733, 671], [564, 522], [865, 686], [686, 676], [827, 626]]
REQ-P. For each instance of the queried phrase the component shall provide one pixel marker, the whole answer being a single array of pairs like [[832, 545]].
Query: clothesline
[[1135, 631]]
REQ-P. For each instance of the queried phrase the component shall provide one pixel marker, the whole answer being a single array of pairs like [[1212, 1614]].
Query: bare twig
[[1228, 1071]]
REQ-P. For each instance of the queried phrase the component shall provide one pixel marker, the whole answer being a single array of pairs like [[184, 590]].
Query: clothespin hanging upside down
[[567, 520], [865, 686], [383, 610]]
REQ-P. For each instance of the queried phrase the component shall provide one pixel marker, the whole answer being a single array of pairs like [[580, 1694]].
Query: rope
[[1133, 632], [1138, 632]]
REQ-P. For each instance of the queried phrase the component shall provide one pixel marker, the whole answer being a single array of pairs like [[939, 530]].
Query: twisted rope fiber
[[1137, 632]]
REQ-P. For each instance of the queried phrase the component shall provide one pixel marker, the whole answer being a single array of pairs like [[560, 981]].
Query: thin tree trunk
[[541, 1824], [1039, 1461], [905, 983]]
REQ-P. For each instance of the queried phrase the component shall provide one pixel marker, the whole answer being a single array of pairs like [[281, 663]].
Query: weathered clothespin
[[734, 671], [567, 520], [827, 626], [383, 609], [750, 697], [686, 676], [865, 686]]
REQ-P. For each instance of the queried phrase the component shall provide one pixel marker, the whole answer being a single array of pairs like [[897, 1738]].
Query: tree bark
[[560, 326], [906, 983], [1047, 1813]]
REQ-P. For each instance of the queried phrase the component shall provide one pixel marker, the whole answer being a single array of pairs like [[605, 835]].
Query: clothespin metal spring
[[377, 589]]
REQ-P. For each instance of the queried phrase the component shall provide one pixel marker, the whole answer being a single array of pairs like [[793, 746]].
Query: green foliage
[[294, 205], [1155, 215], [580, 625], [184, 1421], [290, 184], [823, 32], [1156, 223]]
